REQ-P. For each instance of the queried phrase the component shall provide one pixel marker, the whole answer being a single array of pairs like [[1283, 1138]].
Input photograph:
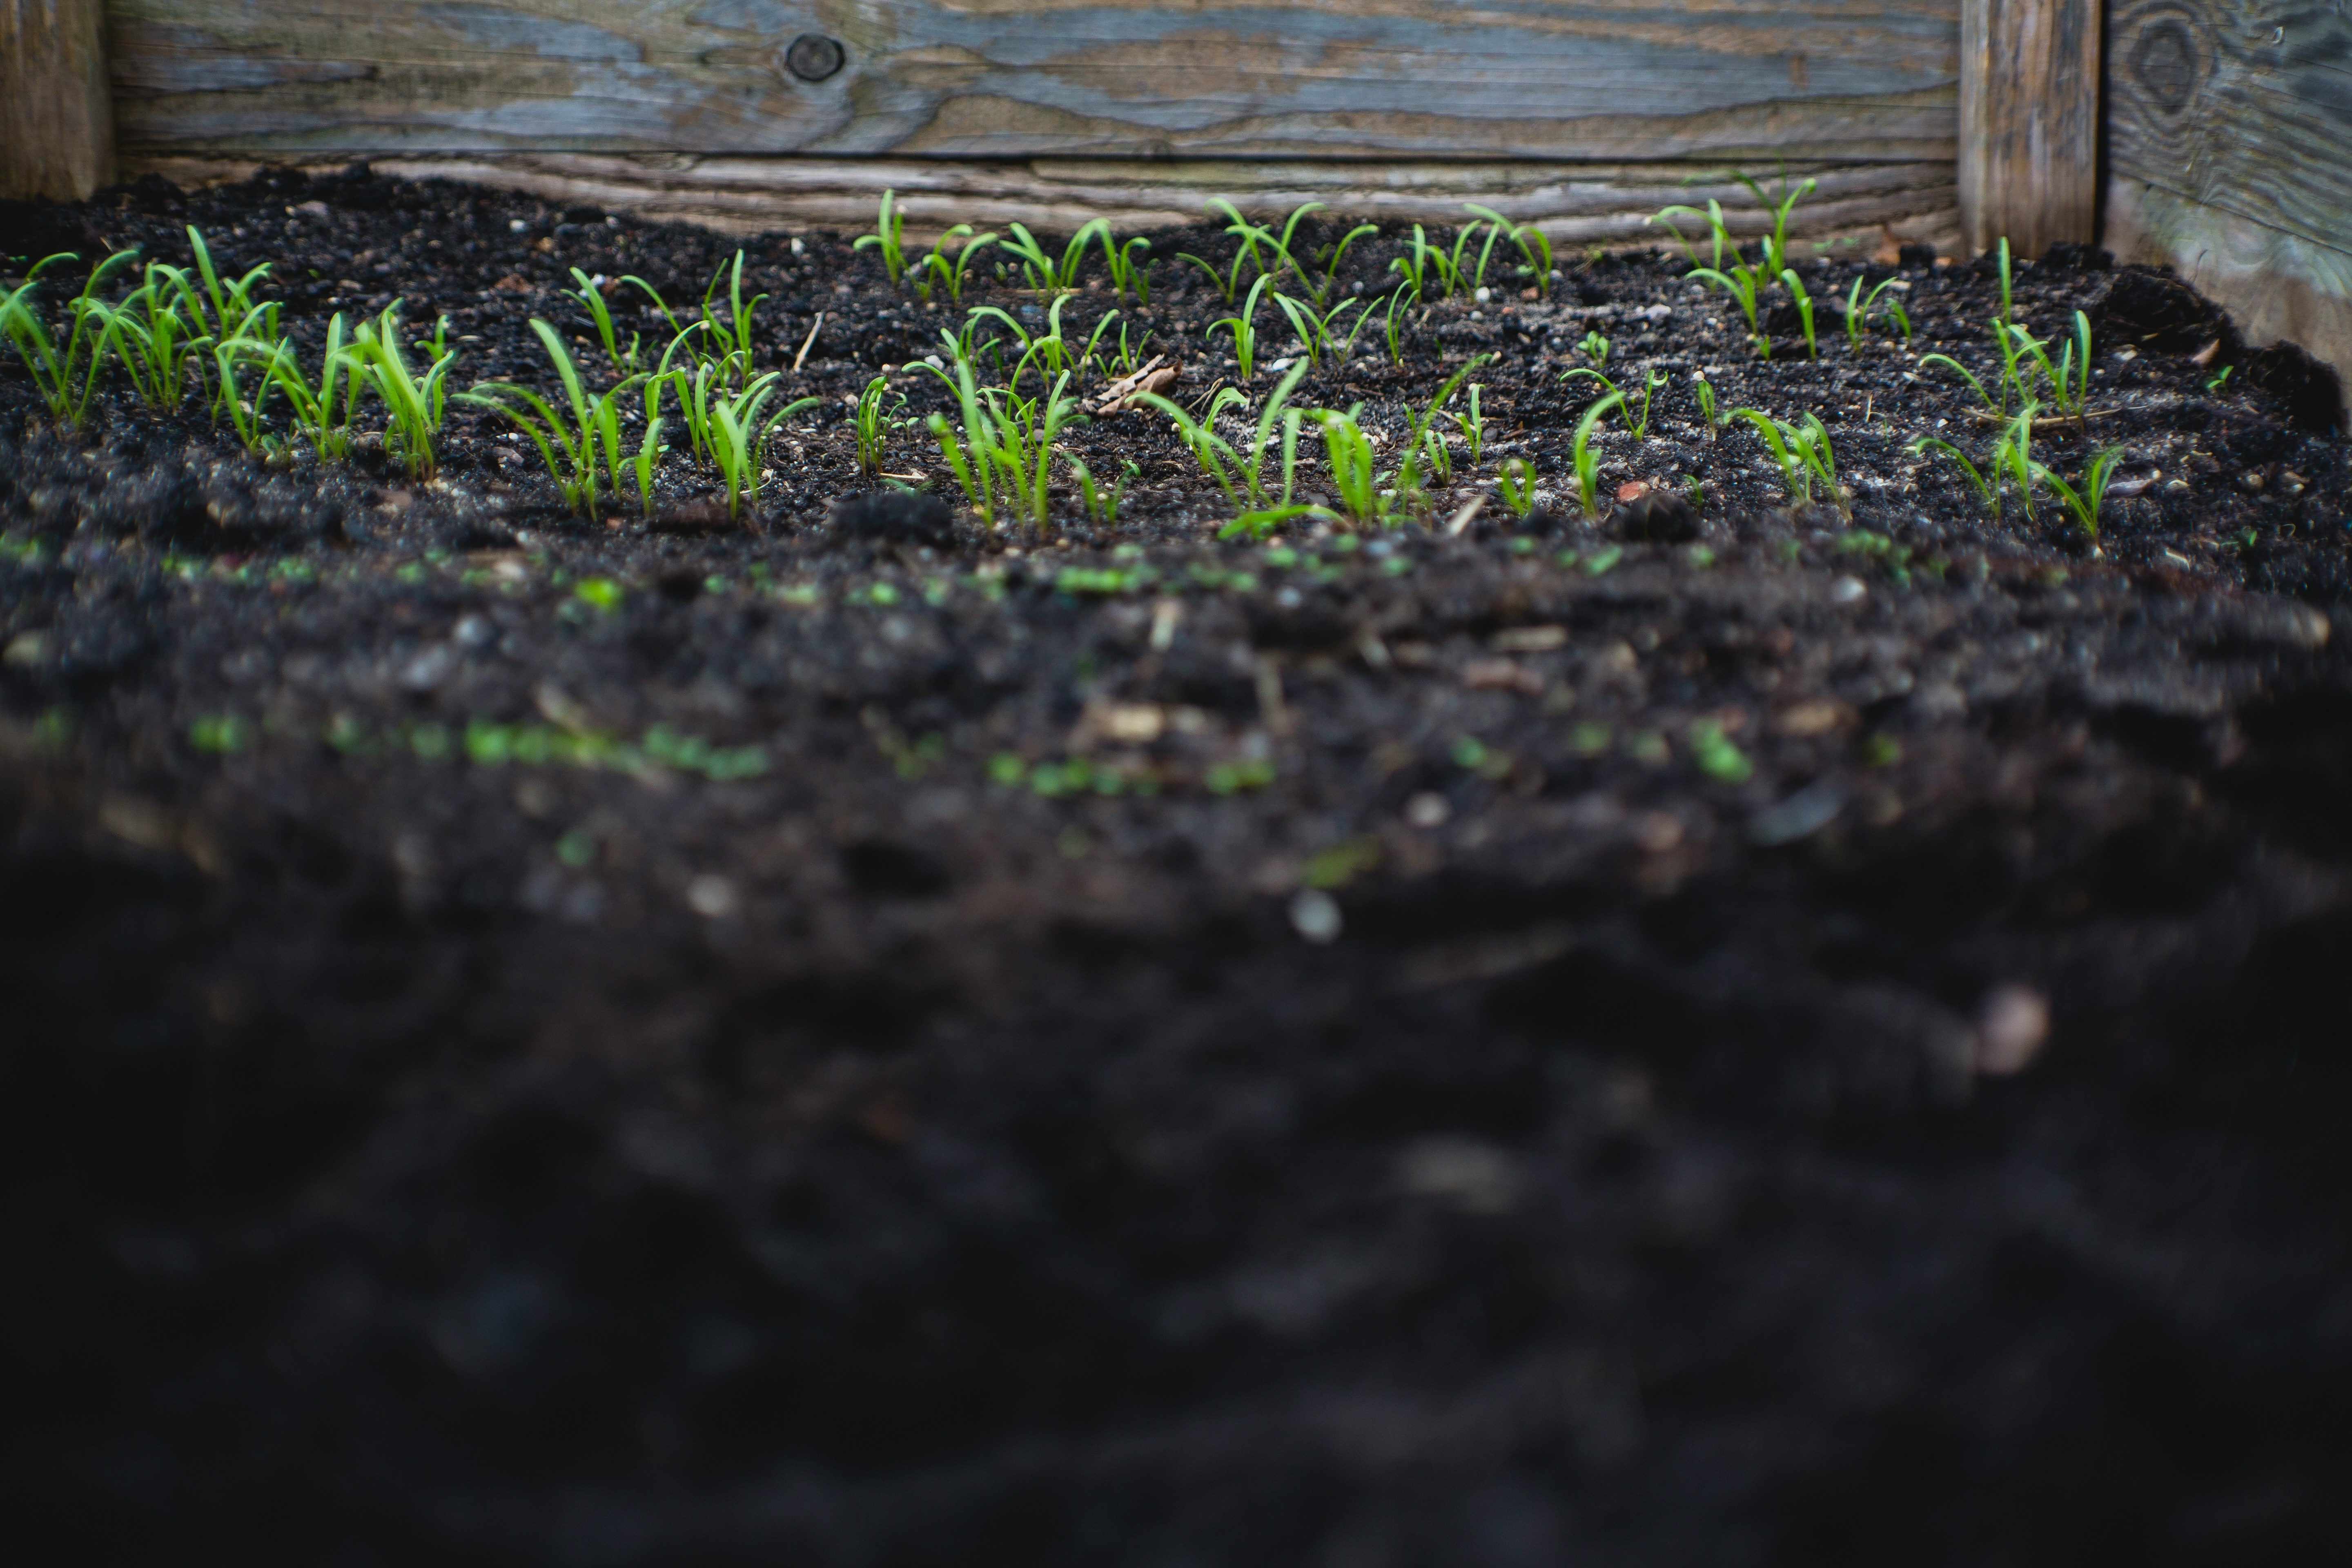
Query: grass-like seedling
[[158, 334], [2085, 500], [236, 311], [1704, 390], [570, 445], [1719, 231], [1804, 452], [1987, 490], [2069, 380], [624, 360], [1316, 329], [2013, 454], [1244, 328], [2215, 383], [1636, 424], [1473, 425], [1964, 373], [1742, 284], [940, 271], [1466, 278], [1776, 244], [1216, 456], [874, 422], [413, 403], [1858, 310], [1329, 259], [649, 451], [1533, 245], [1586, 461], [1394, 330], [1128, 275], [1049, 349], [1515, 482], [1047, 275], [1595, 347], [1102, 503], [1796, 288], [323, 413], [1422, 440], [65, 375], [249, 417], [1355, 477], [733, 335], [729, 428], [888, 238], [1420, 265], [1022, 446]]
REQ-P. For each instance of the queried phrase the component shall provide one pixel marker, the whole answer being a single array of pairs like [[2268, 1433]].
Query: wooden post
[[57, 117], [2029, 123]]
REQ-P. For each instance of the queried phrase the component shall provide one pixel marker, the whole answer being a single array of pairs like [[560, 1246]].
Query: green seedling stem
[[940, 272], [1858, 310], [1421, 427], [1354, 478], [1718, 230], [67, 376], [734, 333], [412, 403], [1776, 244], [624, 361], [158, 334], [1964, 373], [1587, 463], [1217, 457], [1704, 390], [1516, 483], [247, 418], [1394, 331], [1045, 274], [737, 436], [1804, 455], [1128, 275], [1316, 330], [1472, 426], [649, 451], [1989, 492], [1796, 288], [1023, 443], [1595, 347], [1533, 245], [1329, 260], [875, 423], [1244, 328], [2085, 502], [570, 447], [322, 414], [888, 238], [1740, 283], [1101, 504], [2015, 454]]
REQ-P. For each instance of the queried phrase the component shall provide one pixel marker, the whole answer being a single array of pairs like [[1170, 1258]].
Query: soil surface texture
[[1716, 1033]]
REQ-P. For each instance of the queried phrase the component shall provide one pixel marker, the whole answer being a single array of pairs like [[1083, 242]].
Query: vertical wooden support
[[57, 116], [2029, 123]]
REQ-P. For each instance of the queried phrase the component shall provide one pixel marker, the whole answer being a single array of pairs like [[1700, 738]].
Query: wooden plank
[[2029, 123], [57, 135], [1579, 203], [2229, 146], [1281, 78]]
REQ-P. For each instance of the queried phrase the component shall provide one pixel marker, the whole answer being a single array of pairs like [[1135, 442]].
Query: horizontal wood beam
[[1575, 204], [57, 126], [2029, 123]]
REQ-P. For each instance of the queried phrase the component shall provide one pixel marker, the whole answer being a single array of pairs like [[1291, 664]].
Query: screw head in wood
[[813, 56]]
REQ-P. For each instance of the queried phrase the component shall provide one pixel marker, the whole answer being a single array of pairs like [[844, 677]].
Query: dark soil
[[532, 1040]]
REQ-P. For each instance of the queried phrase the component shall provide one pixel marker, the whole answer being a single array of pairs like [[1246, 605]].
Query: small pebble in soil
[[1427, 810], [1315, 915], [712, 897], [2011, 1030]]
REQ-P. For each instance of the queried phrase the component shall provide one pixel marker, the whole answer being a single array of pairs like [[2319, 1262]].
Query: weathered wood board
[[2029, 123], [56, 138], [1292, 79], [2230, 149]]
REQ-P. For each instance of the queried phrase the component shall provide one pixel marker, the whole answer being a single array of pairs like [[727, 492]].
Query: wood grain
[[1280, 78], [1582, 204], [2029, 123], [56, 137], [2229, 145]]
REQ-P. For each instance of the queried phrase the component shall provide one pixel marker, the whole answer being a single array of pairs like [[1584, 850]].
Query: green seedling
[[874, 422], [413, 403], [1355, 478], [1217, 457], [1704, 390], [649, 451], [1719, 232], [1473, 425], [1417, 268], [940, 272], [888, 238], [2013, 454], [1515, 481], [158, 335], [1637, 425], [570, 445], [1315, 331], [731, 428], [1803, 453], [1128, 274], [1329, 259], [2214, 383], [2083, 502], [1776, 244], [1964, 373], [1741, 283], [1243, 329], [235, 311], [1595, 347], [1129, 358], [734, 334], [1987, 490], [1422, 439], [2007, 315], [1587, 463], [65, 376], [1533, 245], [232, 358], [1464, 278], [1045, 274], [624, 360], [1102, 504], [1023, 443], [1796, 288], [1858, 310], [2069, 380], [323, 413], [1394, 331]]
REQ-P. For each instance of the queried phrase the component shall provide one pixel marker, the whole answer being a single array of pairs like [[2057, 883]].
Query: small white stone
[[1427, 810], [1483, 294], [2011, 1030], [712, 897], [1315, 915], [1848, 591]]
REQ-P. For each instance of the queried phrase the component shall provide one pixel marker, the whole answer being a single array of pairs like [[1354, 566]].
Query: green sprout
[[1595, 347], [1858, 310], [1653, 379], [1989, 492], [1047, 275], [1243, 329], [2214, 383], [1216, 456], [889, 230], [940, 272], [1804, 455], [1741, 283], [158, 334], [1515, 481], [1796, 288], [593, 429], [1473, 425], [1102, 504], [2085, 500], [649, 451], [875, 423], [322, 414], [1315, 331], [624, 360], [1705, 391], [1964, 373], [1329, 259], [65, 378], [1394, 331], [730, 429], [413, 403], [1128, 275], [1588, 465], [1354, 476], [1534, 245]]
